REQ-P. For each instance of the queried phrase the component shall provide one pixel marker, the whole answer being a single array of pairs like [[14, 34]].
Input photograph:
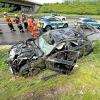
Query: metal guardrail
[[38, 16], [45, 14], [10, 14]]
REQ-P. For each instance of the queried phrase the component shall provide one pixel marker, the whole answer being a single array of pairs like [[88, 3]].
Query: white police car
[[56, 15], [50, 23]]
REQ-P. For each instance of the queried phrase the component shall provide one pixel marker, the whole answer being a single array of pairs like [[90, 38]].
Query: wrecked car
[[58, 50]]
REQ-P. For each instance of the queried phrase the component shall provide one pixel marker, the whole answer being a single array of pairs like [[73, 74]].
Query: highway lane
[[9, 37]]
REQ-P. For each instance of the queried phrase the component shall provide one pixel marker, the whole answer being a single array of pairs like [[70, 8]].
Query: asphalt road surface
[[9, 37]]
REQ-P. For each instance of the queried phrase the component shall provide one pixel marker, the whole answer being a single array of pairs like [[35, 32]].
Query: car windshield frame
[[44, 45], [49, 38]]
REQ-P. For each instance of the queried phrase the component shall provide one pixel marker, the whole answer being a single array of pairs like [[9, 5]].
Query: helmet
[[23, 14], [16, 15], [30, 15], [5, 13]]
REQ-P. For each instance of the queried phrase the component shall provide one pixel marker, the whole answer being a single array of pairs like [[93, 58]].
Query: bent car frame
[[56, 49]]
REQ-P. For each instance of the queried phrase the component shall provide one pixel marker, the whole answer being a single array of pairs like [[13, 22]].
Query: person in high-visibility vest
[[0, 30], [24, 21], [18, 22], [40, 26], [35, 32], [8, 21], [30, 23]]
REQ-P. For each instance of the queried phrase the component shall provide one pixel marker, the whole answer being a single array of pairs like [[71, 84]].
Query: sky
[[46, 1], [54, 1]]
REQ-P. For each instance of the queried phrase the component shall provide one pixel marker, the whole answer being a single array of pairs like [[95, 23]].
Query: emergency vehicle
[[50, 23]]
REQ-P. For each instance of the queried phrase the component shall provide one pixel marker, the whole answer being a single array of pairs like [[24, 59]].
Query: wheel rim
[[48, 28], [25, 72], [66, 25], [63, 19]]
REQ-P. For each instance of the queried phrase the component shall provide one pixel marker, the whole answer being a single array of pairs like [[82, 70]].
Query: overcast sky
[[54, 1], [46, 1]]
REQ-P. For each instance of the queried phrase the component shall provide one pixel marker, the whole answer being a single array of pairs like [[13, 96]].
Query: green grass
[[82, 84], [81, 8]]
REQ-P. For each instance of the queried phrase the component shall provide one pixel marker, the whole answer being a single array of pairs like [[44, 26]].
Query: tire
[[68, 69], [65, 25], [48, 28], [63, 19], [81, 51], [24, 71], [88, 48], [98, 27], [0, 32]]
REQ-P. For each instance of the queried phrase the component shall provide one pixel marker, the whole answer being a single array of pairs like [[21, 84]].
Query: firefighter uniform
[[33, 27], [0, 30], [40, 26], [35, 32], [30, 23], [18, 22], [24, 21], [8, 21]]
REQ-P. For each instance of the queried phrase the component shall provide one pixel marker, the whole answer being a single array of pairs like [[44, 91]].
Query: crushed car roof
[[59, 34]]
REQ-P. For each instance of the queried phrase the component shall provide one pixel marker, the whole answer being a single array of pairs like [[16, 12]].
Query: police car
[[88, 21], [56, 15], [50, 23]]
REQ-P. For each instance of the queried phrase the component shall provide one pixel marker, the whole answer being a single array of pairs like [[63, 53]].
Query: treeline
[[5, 7], [72, 8]]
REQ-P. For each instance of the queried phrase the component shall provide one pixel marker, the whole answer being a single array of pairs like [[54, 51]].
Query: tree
[[1, 0]]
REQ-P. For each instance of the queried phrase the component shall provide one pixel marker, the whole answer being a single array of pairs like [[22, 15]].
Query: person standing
[[33, 27], [30, 23], [18, 22], [8, 21], [0, 30], [40, 26], [24, 21], [35, 32]]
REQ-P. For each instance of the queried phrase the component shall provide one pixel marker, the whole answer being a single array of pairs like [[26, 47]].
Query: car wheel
[[0, 32], [88, 48], [24, 71], [48, 28], [98, 27], [63, 19], [65, 25]]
